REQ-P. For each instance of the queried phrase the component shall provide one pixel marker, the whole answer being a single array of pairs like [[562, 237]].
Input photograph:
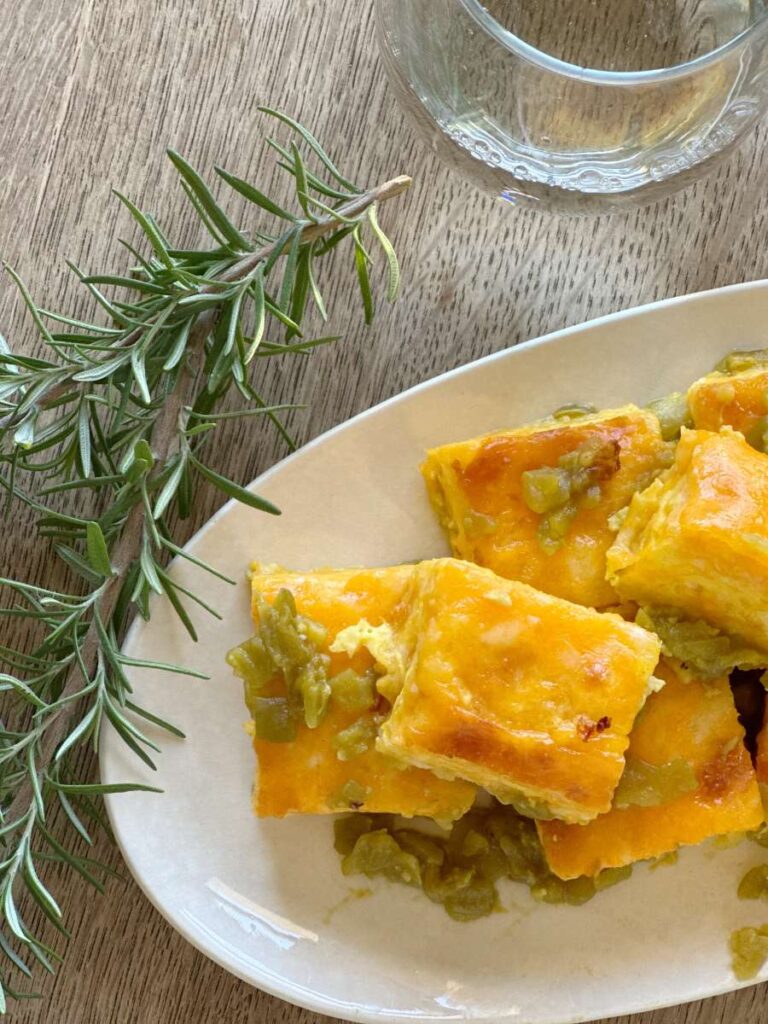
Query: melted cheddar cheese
[[476, 489], [687, 719], [696, 540], [761, 760], [517, 691], [738, 400], [306, 776]]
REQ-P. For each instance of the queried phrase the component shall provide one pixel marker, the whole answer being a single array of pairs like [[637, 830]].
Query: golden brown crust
[[306, 776], [476, 490], [687, 719], [696, 540], [735, 400], [504, 682]]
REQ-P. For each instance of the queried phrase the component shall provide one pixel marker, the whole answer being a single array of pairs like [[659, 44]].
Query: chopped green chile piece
[[312, 684], [698, 645], [347, 830], [737, 362], [355, 740], [649, 785], [666, 860], [354, 690], [559, 492], [518, 841], [459, 870], [609, 877], [758, 435], [279, 631], [573, 411], [314, 632], [493, 865], [478, 899], [423, 848], [554, 890], [754, 885], [553, 529], [476, 524], [576, 891], [350, 797], [526, 807], [749, 951], [273, 719], [673, 414], [441, 882], [760, 835], [378, 854], [545, 489], [475, 844], [287, 644], [252, 663]]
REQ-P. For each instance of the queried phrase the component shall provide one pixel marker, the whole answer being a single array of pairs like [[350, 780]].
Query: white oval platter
[[266, 899]]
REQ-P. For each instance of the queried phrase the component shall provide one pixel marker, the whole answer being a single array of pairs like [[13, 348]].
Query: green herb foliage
[[125, 405]]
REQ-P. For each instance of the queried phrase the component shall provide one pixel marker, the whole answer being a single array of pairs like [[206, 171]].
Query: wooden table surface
[[93, 92]]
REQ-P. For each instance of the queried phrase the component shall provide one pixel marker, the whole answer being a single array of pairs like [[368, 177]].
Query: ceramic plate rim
[[286, 989]]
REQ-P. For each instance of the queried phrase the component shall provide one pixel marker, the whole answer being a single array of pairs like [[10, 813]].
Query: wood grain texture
[[94, 90]]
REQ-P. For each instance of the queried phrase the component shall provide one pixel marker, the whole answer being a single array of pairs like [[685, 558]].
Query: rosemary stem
[[246, 265], [164, 438], [313, 231], [127, 551]]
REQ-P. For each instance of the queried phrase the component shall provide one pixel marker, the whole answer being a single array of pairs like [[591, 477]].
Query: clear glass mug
[[579, 106]]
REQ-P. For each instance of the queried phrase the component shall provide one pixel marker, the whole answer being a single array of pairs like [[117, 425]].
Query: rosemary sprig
[[123, 407]]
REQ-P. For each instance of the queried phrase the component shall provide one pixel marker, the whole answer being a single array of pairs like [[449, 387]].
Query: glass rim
[[605, 76]]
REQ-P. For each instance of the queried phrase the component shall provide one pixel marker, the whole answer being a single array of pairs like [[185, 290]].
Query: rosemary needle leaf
[[364, 280], [313, 144], [200, 428], [178, 606], [74, 819], [208, 224], [289, 273], [132, 283], [300, 288], [15, 959], [178, 348], [322, 187], [101, 788], [84, 438], [163, 666], [149, 569], [171, 485], [102, 370], [29, 302], [167, 543], [254, 195], [302, 188], [81, 732], [209, 204], [233, 490], [49, 905], [140, 372], [316, 295], [20, 687], [155, 720], [77, 563], [393, 265], [97, 551], [149, 229], [119, 412], [256, 291]]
